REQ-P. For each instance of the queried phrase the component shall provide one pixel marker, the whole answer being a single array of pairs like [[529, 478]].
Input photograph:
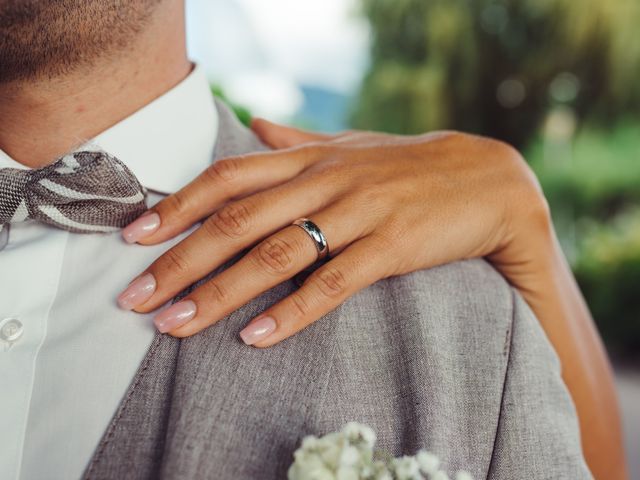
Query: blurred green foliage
[[556, 78], [599, 174], [495, 66], [608, 271], [594, 193]]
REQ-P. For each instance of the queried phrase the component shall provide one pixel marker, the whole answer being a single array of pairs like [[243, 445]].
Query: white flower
[[463, 475], [309, 467], [357, 433], [330, 454], [429, 463], [406, 468], [378, 471], [309, 443], [348, 473], [348, 455], [440, 475], [383, 475]]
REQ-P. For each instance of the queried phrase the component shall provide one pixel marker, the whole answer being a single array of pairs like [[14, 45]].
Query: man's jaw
[[42, 119]]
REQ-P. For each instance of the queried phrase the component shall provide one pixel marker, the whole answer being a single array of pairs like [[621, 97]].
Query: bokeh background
[[559, 79]]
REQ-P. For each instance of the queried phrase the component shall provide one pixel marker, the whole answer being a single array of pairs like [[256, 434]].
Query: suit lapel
[[151, 391]]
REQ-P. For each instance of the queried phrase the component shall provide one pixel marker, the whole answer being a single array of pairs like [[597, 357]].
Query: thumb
[[281, 136]]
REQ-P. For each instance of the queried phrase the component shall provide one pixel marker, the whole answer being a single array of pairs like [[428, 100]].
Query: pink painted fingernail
[[138, 292], [175, 316], [258, 330], [141, 228]]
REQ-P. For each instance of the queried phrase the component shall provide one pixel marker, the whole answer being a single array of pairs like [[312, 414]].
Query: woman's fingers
[[224, 180], [358, 266], [280, 136], [227, 179], [273, 261], [234, 227], [270, 263]]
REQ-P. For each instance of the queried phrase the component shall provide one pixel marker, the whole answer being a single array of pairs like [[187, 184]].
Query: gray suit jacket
[[450, 359]]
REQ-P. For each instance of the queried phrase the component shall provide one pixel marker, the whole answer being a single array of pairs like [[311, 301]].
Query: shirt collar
[[168, 142]]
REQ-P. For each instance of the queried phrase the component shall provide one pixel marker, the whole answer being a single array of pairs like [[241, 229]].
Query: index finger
[[226, 179]]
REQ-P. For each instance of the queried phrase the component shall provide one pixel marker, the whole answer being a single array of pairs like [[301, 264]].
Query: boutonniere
[[350, 455]]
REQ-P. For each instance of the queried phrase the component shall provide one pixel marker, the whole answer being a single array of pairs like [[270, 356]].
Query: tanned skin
[[70, 69]]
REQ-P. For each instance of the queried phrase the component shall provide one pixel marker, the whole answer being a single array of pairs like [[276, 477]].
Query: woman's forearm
[[556, 299], [483, 201]]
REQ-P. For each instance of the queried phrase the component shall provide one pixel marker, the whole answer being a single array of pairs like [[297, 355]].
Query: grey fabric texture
[[449, 359], [83, 192]]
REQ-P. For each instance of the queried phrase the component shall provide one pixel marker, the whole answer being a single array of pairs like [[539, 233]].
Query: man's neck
[[42, 119]]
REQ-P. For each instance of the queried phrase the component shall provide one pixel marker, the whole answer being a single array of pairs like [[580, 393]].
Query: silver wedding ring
[[319, 240]]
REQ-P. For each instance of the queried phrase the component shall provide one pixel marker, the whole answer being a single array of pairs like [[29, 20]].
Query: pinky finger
[[355, 268]]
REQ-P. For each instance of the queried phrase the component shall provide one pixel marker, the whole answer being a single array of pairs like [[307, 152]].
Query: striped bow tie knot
[[83, 192]]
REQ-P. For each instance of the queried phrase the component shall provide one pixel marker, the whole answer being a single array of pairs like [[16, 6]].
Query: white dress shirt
[[67, 353]]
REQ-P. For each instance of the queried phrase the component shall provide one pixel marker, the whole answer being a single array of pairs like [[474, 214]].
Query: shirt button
[[11, 330]]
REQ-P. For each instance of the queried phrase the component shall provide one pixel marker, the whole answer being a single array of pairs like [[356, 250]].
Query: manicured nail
[[141, 228], [258, 330], [138, 292], [175, 316]]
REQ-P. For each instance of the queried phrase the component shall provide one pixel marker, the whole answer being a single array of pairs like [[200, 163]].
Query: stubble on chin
[[50, 38]]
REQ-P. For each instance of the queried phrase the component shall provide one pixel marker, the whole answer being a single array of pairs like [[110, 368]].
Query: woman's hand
[[388, 205]]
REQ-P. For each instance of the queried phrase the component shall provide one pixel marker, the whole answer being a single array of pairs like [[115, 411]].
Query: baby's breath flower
[[349, 455], [406, 468], [463, 475], [356, 433], [348, 473], [429, 463], [440, 475], [383, 476], [309, 467], [379, 471]]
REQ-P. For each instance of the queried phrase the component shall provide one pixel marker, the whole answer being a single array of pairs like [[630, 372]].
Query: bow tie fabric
[[83, 192]]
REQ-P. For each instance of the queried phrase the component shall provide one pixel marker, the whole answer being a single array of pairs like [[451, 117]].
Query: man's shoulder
[[421, 358], [424, 354], [455, 305]]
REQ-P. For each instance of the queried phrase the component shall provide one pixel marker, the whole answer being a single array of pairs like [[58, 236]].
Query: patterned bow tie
[[83, 192]]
